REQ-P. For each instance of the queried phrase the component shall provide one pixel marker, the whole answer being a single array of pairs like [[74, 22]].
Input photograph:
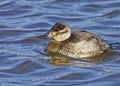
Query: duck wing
[[83, 44]]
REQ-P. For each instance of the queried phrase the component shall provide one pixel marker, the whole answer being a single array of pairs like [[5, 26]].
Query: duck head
[[59, 32]]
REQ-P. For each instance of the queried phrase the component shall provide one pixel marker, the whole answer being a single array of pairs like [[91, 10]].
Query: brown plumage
[[77, 44]]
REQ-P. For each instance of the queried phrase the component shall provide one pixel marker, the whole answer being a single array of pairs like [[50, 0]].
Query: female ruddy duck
[[77, 44]]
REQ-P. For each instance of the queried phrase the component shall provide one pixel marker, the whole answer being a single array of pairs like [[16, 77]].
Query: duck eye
[[61, 27]]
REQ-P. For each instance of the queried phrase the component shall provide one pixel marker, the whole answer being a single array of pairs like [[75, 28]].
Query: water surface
[[23, 60]]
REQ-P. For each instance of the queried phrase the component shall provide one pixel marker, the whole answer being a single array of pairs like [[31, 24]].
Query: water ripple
[[24, 55]]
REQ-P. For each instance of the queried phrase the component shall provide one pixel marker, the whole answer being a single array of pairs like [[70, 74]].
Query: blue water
[[23, 59]]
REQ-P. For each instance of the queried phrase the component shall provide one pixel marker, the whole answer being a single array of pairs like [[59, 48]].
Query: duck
[[75, 44]]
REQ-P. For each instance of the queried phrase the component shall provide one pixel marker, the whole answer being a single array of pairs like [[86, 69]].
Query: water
[[23, 60]]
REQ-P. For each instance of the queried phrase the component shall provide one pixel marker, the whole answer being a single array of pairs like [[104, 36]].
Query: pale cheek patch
[[54, 33], [62, 37]]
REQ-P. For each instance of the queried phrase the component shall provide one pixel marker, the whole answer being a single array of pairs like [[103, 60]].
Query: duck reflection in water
[[78, 44]]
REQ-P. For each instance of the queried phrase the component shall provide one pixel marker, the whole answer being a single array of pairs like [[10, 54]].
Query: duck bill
[[45, 36]]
